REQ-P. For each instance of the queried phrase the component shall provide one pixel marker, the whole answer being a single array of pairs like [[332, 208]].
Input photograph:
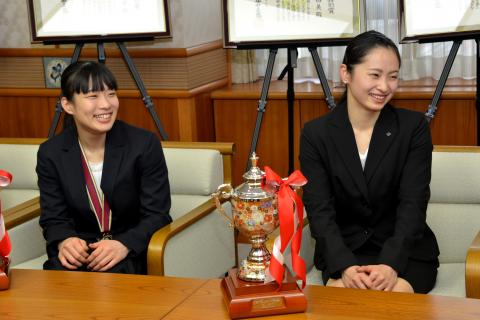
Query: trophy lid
[[251, 189], [254, 173]]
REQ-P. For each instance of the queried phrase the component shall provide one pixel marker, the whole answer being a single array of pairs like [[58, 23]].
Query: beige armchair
[[198, 243], [454, 215], [20, 201]]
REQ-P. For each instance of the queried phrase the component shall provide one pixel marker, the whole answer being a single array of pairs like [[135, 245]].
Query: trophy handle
[[224, 191]]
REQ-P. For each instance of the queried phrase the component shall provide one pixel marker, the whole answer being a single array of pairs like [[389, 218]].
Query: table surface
[[37, 294]]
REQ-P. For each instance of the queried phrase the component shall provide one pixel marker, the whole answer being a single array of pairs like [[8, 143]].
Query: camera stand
[[432, 108], [147, 100], [291, 64]]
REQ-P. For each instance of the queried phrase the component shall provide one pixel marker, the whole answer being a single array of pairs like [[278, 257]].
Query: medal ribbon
[[95, 197], [5, 245], [290, 211]]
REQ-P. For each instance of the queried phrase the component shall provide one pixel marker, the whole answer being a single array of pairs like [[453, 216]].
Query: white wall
[[193, 22]]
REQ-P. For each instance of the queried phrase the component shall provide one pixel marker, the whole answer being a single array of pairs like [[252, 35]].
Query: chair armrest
[[159, 240], [472, 269], [21, 213], [28, 244]]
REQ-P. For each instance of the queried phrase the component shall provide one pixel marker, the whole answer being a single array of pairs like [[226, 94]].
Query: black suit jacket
[[134, 181], [385, 203]]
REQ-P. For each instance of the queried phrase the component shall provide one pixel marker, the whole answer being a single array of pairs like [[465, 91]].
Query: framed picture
[[53, 68], [64, 21], [283, 23], [439, 20]]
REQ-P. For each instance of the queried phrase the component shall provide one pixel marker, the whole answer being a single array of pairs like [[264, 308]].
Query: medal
[[98, 202], [106, 236]]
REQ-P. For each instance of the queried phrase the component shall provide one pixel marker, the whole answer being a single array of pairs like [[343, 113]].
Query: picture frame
[[286, 23], [445, 20], [67, 21], [53, 68]]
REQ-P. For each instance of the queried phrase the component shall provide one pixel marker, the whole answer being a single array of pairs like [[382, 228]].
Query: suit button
[[366, 232]]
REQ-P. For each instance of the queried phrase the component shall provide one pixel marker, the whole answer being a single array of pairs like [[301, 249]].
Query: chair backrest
[[454, 208], [195, 170], [19, 157]]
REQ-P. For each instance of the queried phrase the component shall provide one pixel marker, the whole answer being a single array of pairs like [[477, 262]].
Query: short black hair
[[77, 76]]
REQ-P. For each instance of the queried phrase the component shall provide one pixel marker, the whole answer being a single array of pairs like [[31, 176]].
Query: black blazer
[[134, 181], [385, 203]]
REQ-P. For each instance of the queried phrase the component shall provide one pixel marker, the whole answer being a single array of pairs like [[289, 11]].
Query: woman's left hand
[[383, 277], [106, 254]]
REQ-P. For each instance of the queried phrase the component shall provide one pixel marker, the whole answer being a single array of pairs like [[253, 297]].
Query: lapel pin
[[388, 134]]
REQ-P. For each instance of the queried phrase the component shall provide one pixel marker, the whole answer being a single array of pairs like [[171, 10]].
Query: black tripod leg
[[76, 52], [283, 73], [147, 100], [101, 52], [292, 63], [262, 103], [58, 105], [432, 108], [322, 78]]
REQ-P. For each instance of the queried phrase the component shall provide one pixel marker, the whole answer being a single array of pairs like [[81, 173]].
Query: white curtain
[[418, 60]]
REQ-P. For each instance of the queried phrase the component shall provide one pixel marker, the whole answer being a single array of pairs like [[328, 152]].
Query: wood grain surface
[[38, 294]]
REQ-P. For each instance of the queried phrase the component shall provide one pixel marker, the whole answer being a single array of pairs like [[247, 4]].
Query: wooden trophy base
[[4, 280], [251, 299]]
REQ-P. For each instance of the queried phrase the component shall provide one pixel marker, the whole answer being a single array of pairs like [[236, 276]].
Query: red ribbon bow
[[290, 211]]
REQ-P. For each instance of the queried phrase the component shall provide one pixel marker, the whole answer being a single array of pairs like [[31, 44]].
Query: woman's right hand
[[73, 252], [352, 278]]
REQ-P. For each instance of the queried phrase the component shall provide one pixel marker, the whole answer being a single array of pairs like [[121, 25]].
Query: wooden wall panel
[[184, 119], [25, 116], [455, 122], [309, 109], [204, 118], [159, 68], [133, 111], [235, 122], [179, 81]]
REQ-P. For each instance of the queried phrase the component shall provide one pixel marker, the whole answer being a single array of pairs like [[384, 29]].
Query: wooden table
[[340, 304], [73, 295], [38, 294]]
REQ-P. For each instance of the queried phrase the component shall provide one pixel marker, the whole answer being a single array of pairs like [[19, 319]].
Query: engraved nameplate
[[268, 303]]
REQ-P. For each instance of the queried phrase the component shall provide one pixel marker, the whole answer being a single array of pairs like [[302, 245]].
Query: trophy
[[248, 291]]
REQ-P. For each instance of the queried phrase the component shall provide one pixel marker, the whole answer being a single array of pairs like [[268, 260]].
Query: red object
[[5, 245], [290, 211], [248, 299], [5, 178]]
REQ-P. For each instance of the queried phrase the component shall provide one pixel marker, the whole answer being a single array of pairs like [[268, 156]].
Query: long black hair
[[84, 77], [360, 46]]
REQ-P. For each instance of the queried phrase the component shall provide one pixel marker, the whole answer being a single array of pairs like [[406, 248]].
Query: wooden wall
[[235, 110], [194, 102], [178, 80]]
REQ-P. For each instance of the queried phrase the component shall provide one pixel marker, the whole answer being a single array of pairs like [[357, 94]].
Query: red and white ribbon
[[5, 245], [98, 201], [290, 211]]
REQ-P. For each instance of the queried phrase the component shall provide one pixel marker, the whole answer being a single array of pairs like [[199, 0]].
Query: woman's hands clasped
[[375, 277], [74, 253]]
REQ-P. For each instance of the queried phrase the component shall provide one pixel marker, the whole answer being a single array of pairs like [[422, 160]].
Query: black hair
[[77, 76], [361, 45], [84, 77]]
